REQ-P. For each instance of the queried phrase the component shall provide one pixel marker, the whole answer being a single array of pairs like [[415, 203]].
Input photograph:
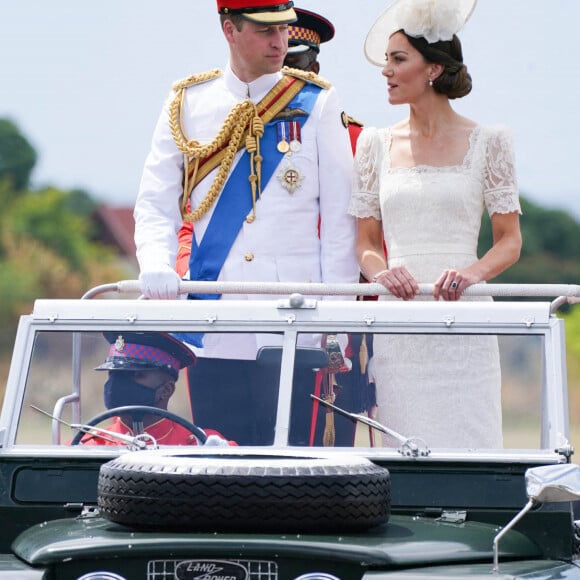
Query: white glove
[[160, 284], [216, 441]]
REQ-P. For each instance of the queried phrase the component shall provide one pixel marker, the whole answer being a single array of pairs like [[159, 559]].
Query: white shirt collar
[[256, 90]]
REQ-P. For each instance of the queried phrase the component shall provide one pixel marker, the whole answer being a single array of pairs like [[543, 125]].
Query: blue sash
[[235, 202]]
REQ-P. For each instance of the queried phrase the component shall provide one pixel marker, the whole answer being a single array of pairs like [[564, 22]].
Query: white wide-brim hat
[[433, 20]]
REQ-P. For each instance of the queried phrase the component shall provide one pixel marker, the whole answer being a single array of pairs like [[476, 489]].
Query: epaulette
[[307, 76], [197, 79], [353, 121]]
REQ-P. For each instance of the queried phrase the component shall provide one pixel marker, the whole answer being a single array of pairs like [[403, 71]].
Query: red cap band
[[143, 353], [249, 5]]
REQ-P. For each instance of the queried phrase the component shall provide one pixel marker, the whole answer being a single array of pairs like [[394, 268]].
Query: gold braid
[[231, 133], [253, 147], [244, 117]]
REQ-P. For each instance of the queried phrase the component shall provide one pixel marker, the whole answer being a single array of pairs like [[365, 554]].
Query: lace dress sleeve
[[501, 188], [364, 201]]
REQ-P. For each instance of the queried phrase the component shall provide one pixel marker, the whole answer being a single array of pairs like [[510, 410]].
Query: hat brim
[[300, 48], [387, 24], [126, 364], [282, 17], [161, 340]]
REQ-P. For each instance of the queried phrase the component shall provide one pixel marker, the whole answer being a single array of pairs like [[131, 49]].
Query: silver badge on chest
[[290, 177]]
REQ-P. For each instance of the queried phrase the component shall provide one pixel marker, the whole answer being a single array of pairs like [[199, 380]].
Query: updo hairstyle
[[454, 81]]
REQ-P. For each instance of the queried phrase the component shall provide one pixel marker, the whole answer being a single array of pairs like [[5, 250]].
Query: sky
[[85, 82]]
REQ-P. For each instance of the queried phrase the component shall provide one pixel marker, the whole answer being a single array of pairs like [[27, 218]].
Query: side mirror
[[545, 484], [553, 483]]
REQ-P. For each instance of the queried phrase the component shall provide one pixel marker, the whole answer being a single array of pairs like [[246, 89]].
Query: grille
[[209, 569]]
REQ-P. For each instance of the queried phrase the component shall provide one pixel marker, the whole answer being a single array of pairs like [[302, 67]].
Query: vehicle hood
[[404, 541]]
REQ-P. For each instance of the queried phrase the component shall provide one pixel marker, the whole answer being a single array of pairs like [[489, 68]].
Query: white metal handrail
[[321, 289]]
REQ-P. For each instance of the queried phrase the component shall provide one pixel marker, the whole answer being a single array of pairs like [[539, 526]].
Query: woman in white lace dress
[[423, 184]]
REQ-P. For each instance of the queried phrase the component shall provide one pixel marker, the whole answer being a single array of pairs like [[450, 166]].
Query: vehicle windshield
[[284, 404]]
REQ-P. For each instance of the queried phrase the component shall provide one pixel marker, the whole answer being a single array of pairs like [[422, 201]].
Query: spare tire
[[256, 492]]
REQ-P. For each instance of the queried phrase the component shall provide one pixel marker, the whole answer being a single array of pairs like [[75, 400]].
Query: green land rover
[[287, 507]]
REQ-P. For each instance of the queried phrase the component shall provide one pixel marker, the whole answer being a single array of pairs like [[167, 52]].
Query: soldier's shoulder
[[349, 121], [307, 76], [352, 121], [197, 79]]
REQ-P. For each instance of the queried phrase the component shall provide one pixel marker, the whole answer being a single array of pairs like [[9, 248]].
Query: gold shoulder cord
[[243, 117], [230, 133], [307, 76], [353, 121]]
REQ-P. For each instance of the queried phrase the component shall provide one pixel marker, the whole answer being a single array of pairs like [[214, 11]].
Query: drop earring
[[430, 82]]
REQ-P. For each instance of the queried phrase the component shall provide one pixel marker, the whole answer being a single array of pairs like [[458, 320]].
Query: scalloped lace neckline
[[467, 160]]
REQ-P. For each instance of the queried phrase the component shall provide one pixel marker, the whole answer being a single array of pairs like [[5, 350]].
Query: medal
[[290, 178], [295, 136], [283, 141]]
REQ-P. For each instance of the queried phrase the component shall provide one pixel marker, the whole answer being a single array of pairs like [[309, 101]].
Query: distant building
[[116, 228]]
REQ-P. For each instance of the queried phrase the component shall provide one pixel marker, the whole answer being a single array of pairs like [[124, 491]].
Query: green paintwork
[[403, 542]]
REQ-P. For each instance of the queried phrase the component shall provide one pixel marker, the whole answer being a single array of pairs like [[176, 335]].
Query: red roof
[[118, 228]]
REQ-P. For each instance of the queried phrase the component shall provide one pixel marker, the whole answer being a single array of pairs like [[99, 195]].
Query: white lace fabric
[[429, 209], [431, 217], [489, 159]]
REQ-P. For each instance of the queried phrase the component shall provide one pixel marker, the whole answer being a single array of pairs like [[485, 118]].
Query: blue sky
[[85, 82]]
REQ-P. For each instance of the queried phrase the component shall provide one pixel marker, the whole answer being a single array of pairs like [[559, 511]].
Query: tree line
[[550, 251], [48, 238]]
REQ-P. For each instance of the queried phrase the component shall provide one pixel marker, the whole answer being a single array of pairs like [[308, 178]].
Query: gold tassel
[[256, 132], [187, 181], [329, 435], [251, 146], [328, 438]]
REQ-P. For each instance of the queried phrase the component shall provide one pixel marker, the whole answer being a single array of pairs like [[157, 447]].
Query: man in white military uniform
[[260, 155]]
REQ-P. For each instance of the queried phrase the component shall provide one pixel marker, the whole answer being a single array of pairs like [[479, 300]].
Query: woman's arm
[[369, 247], [373, 265], [507, 244]]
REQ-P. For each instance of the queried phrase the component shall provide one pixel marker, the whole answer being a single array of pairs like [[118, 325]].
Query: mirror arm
[[506, 529]]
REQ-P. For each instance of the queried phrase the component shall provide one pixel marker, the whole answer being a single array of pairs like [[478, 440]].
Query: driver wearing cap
[[143, 369]]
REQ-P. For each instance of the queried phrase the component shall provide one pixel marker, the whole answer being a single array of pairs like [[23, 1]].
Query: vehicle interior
[[63, 388]]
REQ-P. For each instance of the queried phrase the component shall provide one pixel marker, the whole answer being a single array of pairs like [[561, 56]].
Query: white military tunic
[[282, 244]]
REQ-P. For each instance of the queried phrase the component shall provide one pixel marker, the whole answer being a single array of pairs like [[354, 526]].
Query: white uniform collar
[[256, 90]]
